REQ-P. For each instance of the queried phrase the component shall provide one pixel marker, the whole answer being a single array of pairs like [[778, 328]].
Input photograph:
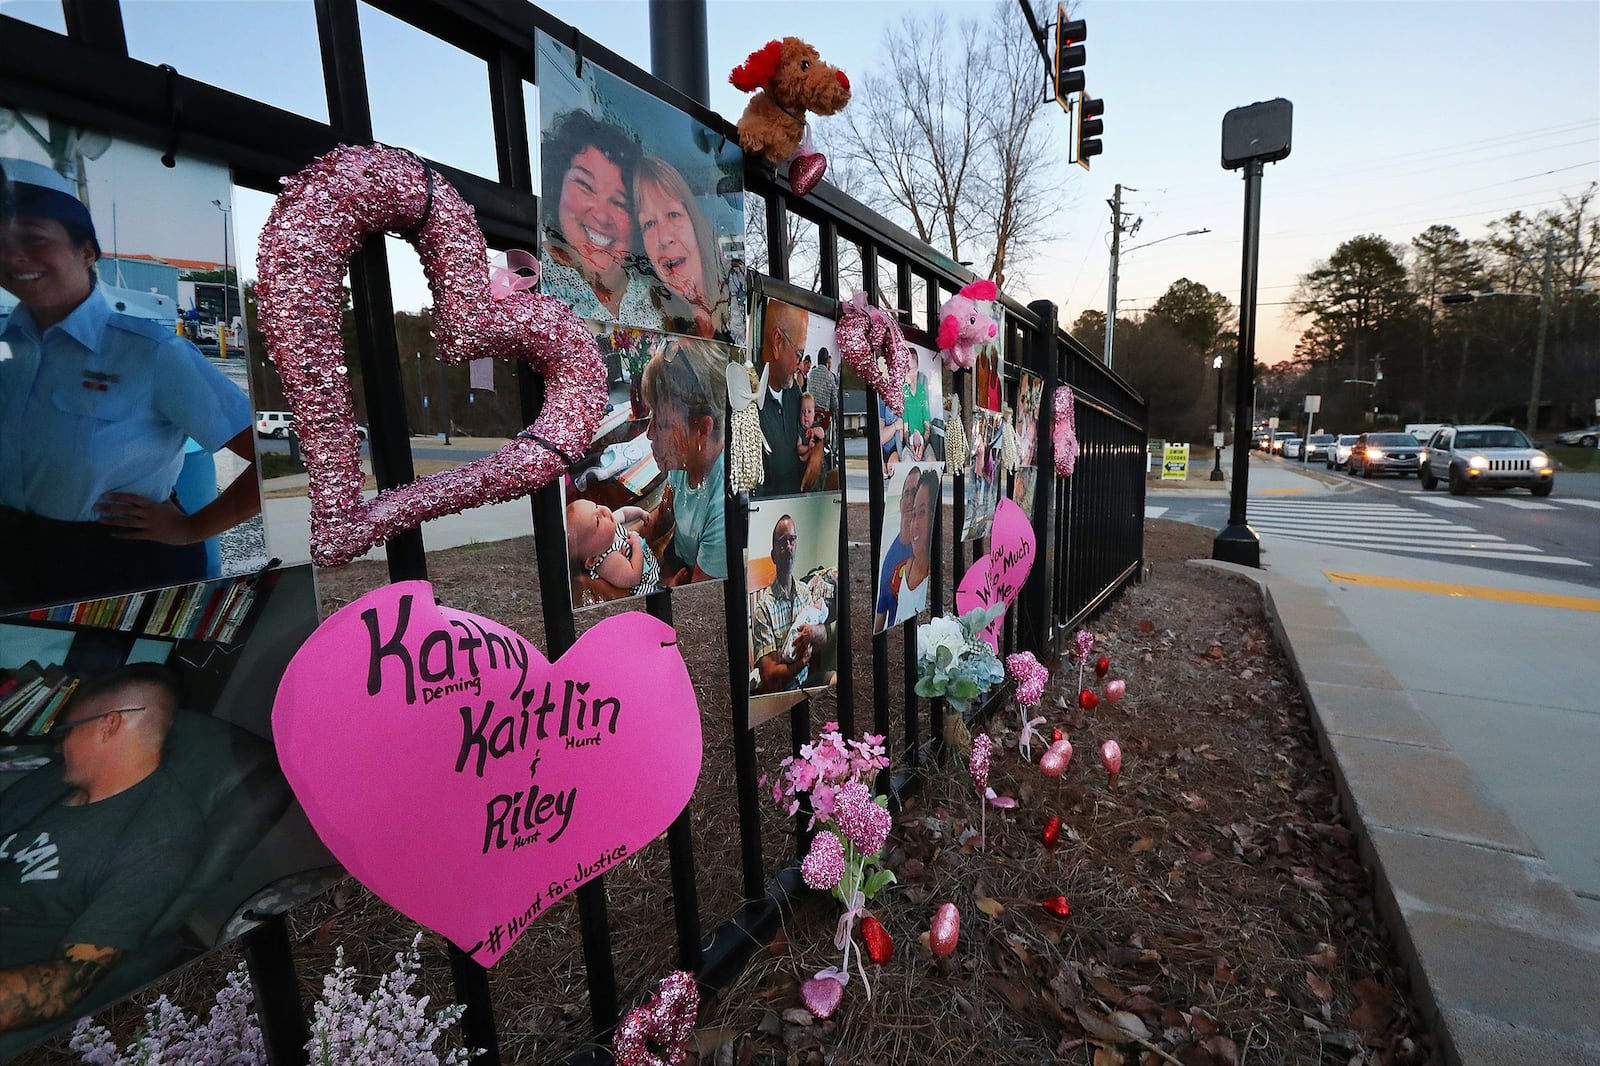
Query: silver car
[[1496, 457], [1587, 437]]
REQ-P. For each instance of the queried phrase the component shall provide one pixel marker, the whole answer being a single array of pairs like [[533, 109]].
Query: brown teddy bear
[[789, 78]]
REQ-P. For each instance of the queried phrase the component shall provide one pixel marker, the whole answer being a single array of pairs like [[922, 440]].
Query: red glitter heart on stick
[[1052, 832], [1057, 905]]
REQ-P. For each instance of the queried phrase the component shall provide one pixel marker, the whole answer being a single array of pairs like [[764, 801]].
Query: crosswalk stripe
[[1523, 505], [1582, 503], [1446, 501], [1374, 532], [1513, 556], [1154, 512]]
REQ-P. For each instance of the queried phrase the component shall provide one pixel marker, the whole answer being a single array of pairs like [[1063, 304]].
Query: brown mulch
[[1219, 911]]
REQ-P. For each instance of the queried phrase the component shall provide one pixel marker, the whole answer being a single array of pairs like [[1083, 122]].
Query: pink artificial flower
[[863, 822], [823, 866], [978, 761], [1030, 675]]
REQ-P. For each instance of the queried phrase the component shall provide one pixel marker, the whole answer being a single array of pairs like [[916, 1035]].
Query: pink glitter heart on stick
[[667, 1022], [320, 220]]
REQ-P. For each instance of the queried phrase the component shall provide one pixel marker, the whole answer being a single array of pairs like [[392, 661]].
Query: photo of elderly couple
[[642, 207]]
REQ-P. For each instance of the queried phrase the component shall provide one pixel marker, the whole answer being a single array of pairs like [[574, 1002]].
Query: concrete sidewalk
[[1460, 710]]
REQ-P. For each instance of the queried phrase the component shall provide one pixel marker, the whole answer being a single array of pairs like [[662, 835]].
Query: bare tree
[[949, 140]]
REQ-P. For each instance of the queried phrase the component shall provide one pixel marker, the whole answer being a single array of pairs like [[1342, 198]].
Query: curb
[[1503, 961]]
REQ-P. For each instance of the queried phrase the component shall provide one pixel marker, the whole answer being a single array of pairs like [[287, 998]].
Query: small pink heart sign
[[998, 576], [467, 780]]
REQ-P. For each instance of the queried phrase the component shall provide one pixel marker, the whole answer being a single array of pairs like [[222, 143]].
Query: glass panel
[[426, 95], [242, 47]]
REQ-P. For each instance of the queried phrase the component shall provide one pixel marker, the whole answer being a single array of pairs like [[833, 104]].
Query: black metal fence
[[1088, 527]]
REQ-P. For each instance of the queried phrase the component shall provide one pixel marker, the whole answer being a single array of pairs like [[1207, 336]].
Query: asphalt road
[[1510, 532]]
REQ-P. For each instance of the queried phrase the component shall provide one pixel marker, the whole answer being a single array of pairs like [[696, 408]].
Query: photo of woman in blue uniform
[[96, 409]]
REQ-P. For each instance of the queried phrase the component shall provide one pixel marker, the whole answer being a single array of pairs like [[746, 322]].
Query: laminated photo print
[[906, 566], [135, 458], [1030, 392], [645, 504], [916, 435], [641, 205], [983, 473], [792, 578], [143, 877], [989, 376], [798, 349]]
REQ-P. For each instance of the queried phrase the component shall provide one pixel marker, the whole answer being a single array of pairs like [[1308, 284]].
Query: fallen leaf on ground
[[1319, 988]]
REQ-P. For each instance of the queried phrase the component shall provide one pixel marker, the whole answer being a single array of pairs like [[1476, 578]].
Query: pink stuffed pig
[[962, 327]]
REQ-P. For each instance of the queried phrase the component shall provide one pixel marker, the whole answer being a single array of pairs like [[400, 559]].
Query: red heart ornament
[[821, 995], [321, 218], [467, 780], [945, 930], [880, 945], [1056, 736], [666, 1022], [872, 344], [1088, 700], [805, 171], [1052, 832], [1057, 905], [1102, 665]]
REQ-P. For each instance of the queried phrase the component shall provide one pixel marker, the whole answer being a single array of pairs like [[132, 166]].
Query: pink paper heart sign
[[467, 780], [997, 577], [873, 345], [321, 218]]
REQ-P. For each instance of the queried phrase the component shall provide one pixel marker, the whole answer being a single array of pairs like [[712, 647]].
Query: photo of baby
[[792, 573], [798, 401], [607, 544], [644, 505]]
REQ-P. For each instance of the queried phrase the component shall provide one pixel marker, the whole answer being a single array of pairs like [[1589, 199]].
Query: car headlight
[[1422, 456], [1374, 453], [1478, 462], [1540, 459]]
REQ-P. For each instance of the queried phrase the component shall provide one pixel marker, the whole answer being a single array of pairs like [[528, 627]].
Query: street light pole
[[1216, 451], [222, 326], [1538, 346]]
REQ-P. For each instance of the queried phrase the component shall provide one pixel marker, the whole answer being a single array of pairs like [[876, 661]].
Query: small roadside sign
[[1313, 404], [1175, 462]]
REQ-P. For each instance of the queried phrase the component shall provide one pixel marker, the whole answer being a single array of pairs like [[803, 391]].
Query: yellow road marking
[[1280, 492], [1477, 592]]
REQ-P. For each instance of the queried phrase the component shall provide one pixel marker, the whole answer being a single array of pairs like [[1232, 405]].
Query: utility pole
[[1538, 347], [1116, 250]]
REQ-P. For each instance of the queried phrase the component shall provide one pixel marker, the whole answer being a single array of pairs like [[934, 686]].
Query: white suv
[[274, 423], [1496, 457]]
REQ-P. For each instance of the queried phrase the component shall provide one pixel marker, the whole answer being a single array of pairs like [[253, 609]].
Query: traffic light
[[1069, 55], [1089, 127]]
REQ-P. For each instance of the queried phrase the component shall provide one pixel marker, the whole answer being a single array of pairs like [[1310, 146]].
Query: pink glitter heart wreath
[[865, 335], [1064, 432], [667, 1022], [319, 221]]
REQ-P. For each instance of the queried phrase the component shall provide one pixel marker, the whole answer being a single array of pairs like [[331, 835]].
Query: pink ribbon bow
[[507, 273], [1030, 730]]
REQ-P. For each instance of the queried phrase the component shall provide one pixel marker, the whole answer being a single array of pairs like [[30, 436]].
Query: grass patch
[[1568, 458], [277, 464]]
